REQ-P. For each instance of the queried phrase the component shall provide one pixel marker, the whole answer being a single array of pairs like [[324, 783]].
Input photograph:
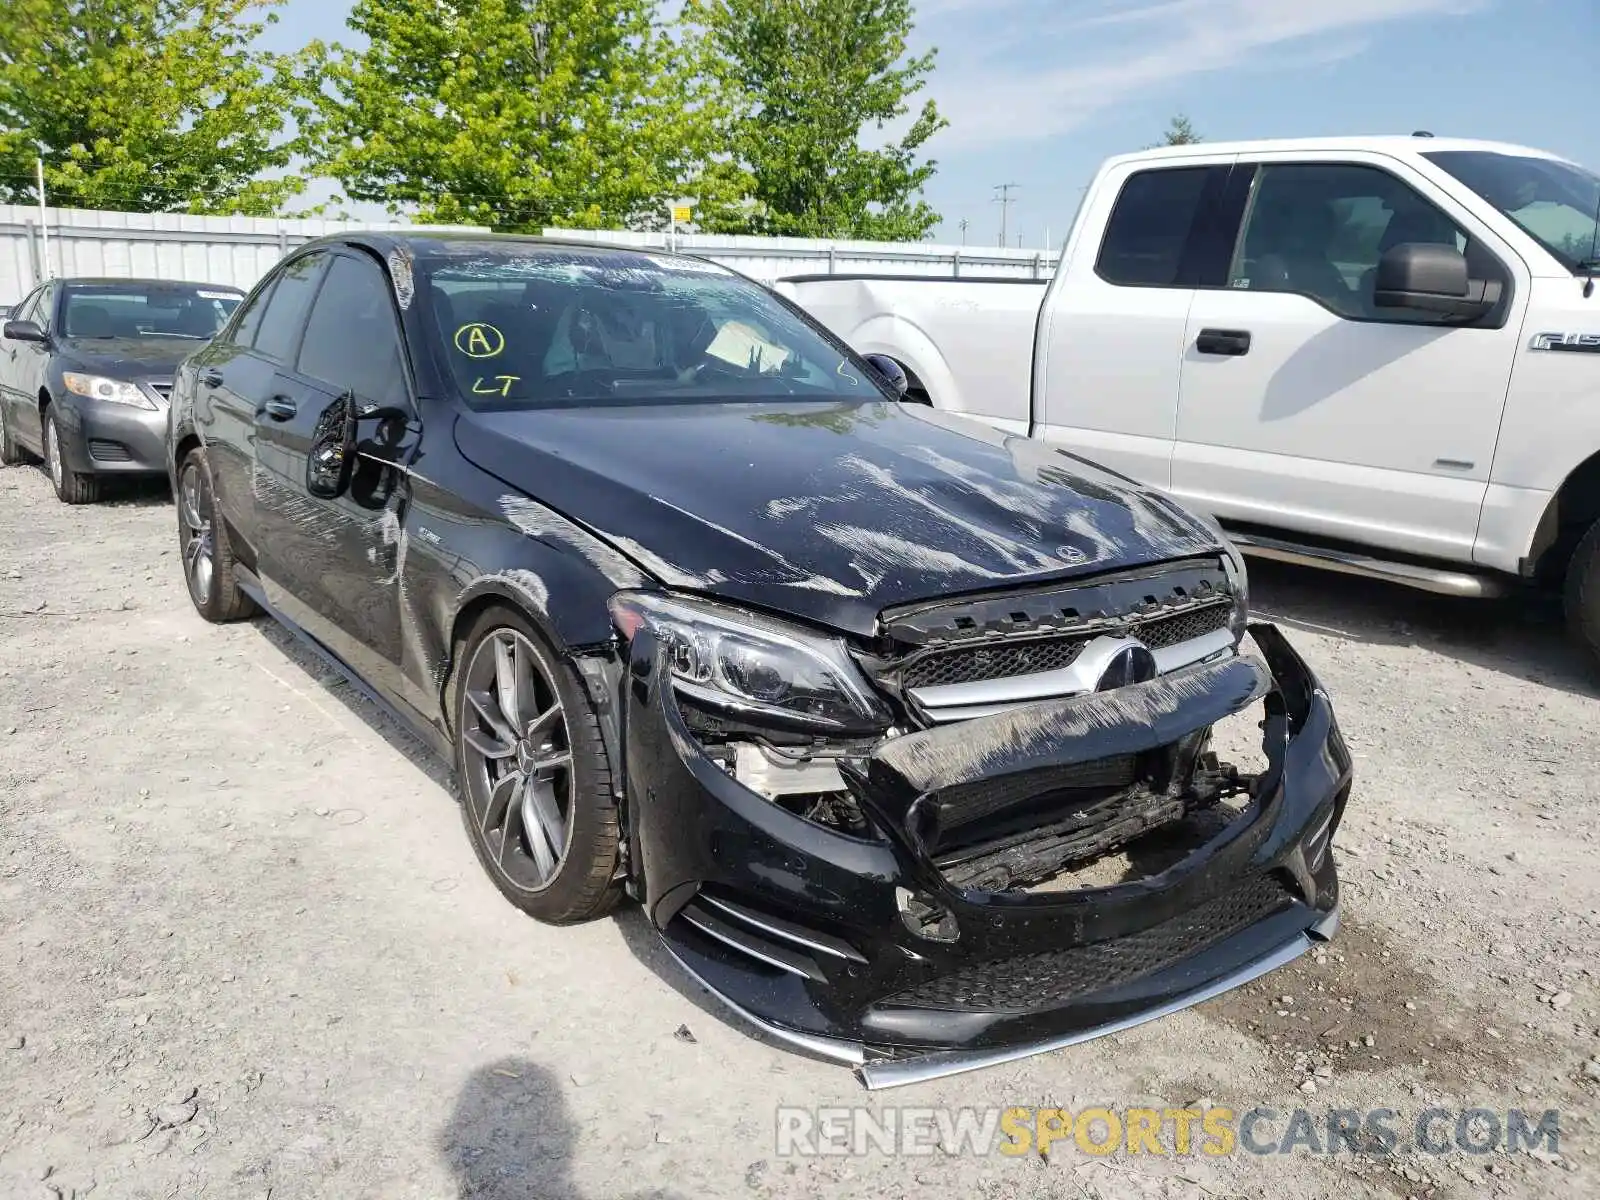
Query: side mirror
[[891, 372], [1434, 279], [24, 331], [331, 458]]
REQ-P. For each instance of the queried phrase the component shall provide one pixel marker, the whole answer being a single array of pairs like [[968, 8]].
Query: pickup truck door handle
[[212, 378], [1229, 342], [280, 408]]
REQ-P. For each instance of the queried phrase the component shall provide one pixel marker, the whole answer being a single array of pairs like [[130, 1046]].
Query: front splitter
[[887, 1073]]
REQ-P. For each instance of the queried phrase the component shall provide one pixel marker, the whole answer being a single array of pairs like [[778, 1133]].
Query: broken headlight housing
[[753, 666]]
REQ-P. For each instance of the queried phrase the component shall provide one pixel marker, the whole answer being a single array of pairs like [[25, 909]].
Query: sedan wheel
[[535, 779], [72, 487], [194, 516], [519, 760], [208, 567]]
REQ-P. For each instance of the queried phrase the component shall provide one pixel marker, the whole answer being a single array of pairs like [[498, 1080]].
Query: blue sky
[[1039, 91]]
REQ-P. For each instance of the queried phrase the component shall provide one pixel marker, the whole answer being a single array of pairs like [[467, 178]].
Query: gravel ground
[[245, 950]]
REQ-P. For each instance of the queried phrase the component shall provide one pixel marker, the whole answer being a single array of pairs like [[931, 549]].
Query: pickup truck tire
[[1583, 592]]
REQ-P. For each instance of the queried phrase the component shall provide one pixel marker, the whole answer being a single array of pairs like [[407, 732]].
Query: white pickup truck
[[1379, 355]]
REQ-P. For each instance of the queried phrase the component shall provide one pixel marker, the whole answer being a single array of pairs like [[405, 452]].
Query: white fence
[[230, 250], [767, 258], [239, 250]]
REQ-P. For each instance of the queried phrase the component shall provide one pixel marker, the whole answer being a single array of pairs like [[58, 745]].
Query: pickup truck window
[[1319, 229], [567, 327], [1555, 202], [1150, 226]]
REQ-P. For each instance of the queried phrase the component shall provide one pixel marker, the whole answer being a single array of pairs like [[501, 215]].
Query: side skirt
[[430, 737]]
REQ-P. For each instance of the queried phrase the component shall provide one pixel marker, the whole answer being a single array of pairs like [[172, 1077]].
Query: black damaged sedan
[[855, 698]]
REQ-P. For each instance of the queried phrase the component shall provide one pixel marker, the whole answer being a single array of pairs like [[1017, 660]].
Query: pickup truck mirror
[[24, 331], [892, 373], [1432, 278]]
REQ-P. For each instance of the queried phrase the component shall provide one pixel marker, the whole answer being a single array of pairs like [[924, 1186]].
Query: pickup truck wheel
[[536, 794], [1583, 593]]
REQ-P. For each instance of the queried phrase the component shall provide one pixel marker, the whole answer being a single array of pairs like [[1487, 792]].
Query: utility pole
[[962, 225], [44, 225], [1005, 202]]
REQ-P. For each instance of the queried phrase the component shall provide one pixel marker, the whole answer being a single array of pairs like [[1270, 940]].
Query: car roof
[[1400, 145], [468, 243], [102, 280]]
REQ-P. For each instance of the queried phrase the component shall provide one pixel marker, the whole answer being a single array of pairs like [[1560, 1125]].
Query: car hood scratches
[[826, 511]]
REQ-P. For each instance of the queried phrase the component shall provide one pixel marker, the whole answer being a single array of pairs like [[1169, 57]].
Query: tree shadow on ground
[[511, 1137]]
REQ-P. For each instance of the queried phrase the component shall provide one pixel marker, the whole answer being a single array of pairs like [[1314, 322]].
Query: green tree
[[522, 113], [148, 105], [809, 79], [1180, 132]]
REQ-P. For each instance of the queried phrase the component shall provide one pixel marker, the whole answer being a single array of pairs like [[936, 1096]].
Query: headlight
[[753, 665], [98, 387]]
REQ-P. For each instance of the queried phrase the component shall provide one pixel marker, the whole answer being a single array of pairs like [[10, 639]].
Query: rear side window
[[1150, 226], [285, 313], [352, 340], [244, 333]]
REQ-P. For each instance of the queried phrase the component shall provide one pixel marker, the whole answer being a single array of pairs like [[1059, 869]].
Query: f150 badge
[[1574, 343]]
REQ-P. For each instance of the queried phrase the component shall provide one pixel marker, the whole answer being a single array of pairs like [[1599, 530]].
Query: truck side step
[[1443, 580]]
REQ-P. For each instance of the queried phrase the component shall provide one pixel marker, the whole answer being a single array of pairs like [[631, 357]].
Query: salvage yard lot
[[245, 950]]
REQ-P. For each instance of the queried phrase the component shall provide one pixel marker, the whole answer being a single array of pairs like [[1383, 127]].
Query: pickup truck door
[[1112, 332], [1303, 406]]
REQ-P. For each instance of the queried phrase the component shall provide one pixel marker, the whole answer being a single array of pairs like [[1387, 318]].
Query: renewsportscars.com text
[[1176, 1132]]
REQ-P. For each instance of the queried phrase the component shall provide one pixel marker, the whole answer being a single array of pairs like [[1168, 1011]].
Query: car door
[[1112, 332], [234, 379], [11, 394], [332, 564], [1306, 407], [29, 368]]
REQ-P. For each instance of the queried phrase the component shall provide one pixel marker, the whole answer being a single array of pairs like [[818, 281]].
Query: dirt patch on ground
[[246, 952]]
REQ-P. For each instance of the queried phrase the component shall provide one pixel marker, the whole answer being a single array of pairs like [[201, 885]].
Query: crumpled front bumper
[[801, 929]]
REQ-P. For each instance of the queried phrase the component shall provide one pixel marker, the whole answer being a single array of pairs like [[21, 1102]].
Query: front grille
[[1183, 627], [162, 389], [1008, 660], [993, 662], [105, 451], [1034, 982]]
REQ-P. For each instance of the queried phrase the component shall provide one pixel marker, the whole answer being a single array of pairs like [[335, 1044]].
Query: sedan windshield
[[557, 326], [145, 310], [1555, 202]]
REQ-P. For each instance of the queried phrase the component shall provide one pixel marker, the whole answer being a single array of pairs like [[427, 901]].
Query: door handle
[[280, 408], [212, 378], [1229, 342]]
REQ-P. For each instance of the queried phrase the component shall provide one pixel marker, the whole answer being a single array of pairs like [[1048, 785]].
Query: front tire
[[1583, 593], [72, 487], [207, 555], [536, 795]]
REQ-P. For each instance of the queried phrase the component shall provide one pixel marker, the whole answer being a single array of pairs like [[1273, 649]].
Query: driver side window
[[1319, 230]]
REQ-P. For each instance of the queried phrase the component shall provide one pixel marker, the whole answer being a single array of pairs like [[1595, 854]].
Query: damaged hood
[[825, 511]]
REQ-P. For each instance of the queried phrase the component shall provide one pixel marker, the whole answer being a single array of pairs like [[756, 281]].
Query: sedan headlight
[[98, 387], [753, 666]]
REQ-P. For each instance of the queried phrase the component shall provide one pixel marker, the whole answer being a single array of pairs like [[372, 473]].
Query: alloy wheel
[[194, 514], [517, 752], [52, 451]]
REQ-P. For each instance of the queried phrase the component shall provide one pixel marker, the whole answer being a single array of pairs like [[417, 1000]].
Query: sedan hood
[[126, 358], [825, 511]]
